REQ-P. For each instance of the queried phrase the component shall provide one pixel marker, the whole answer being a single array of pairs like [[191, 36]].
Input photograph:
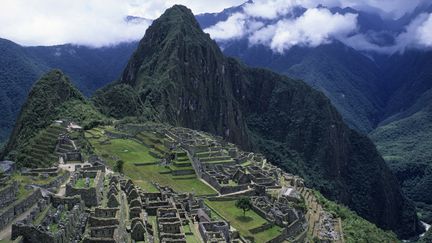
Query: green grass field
[[131, 152], [243, 224], [80, 183]]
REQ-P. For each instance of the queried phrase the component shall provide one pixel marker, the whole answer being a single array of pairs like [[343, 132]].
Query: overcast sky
[[102, 22], [87, 22]]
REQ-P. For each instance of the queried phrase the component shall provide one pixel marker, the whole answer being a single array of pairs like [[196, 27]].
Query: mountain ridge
[[184, 67]]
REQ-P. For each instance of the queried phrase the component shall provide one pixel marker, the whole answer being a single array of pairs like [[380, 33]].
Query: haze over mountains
[[375, 69]]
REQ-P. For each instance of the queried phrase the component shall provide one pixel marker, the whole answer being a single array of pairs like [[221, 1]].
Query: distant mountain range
[[387, 96], [20, 67]]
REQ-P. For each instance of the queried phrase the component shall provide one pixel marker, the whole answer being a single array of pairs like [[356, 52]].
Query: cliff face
[[178, 75]]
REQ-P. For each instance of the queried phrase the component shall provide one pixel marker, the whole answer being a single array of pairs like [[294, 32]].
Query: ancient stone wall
[[8, 194], [57, 182], [12, 211]]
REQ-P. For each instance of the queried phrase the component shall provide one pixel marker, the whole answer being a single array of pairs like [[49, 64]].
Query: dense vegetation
[[52, 97], [20, 67], [406, 146], [178, 75], [17, 73], [355, 228]]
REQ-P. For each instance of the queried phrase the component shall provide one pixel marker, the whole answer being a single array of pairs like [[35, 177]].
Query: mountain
[[52, 97], [404, 137], [347, 77], [385, 96], [90, 68], [17, 72], [179, 75]]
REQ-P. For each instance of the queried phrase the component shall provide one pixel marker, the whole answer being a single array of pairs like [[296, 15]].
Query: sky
[[87, 22], [99, 23], [270, 23]]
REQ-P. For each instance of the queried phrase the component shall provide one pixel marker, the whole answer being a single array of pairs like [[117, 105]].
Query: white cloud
[[318, 25], [93, 23], [232, 28], [235, 27], [313, 28], [270, 9], [424, 32]]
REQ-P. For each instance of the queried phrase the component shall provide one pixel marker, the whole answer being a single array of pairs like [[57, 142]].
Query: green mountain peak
[[178, 75], [52, 97]]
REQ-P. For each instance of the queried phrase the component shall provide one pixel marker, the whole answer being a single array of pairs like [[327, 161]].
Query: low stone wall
[[94, 168], [8, 194], [28, 202], [145, 164], [221, 199], [183, 172], [6, 216], [91, 196], [93, 221], [69, 201], [261, 228], [116, 135], [154, 154], [11, 212], [232, 189], [57, 181]]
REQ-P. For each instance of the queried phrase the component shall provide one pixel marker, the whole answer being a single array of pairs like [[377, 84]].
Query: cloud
[[281, 24], [92, 23], [418, 34], [308, 30], [270, 9], [424, 32], [235, 27]]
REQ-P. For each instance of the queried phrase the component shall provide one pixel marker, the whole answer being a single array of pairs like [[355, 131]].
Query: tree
[[119, 166], [244, 203]]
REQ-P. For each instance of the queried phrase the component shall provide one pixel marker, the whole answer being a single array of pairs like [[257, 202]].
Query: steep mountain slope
[[404, 138], [349, 79], [51, 97], [16, 71], [178, 75], [90, 68]]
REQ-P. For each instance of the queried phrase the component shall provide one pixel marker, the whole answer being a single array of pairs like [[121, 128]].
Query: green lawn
[[80, 183], [132, 152], [243, 224]]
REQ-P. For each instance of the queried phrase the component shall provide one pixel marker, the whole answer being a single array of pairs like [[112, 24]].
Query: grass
[[53, 228], [131, 151], [81, 183], [243, 224]]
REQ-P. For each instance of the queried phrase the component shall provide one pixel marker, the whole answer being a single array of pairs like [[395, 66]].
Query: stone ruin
[[90, 194], [52, 222]]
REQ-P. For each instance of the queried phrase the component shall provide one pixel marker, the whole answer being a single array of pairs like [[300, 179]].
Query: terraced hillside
[[41, 149], [146, 154], [141, 162]]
